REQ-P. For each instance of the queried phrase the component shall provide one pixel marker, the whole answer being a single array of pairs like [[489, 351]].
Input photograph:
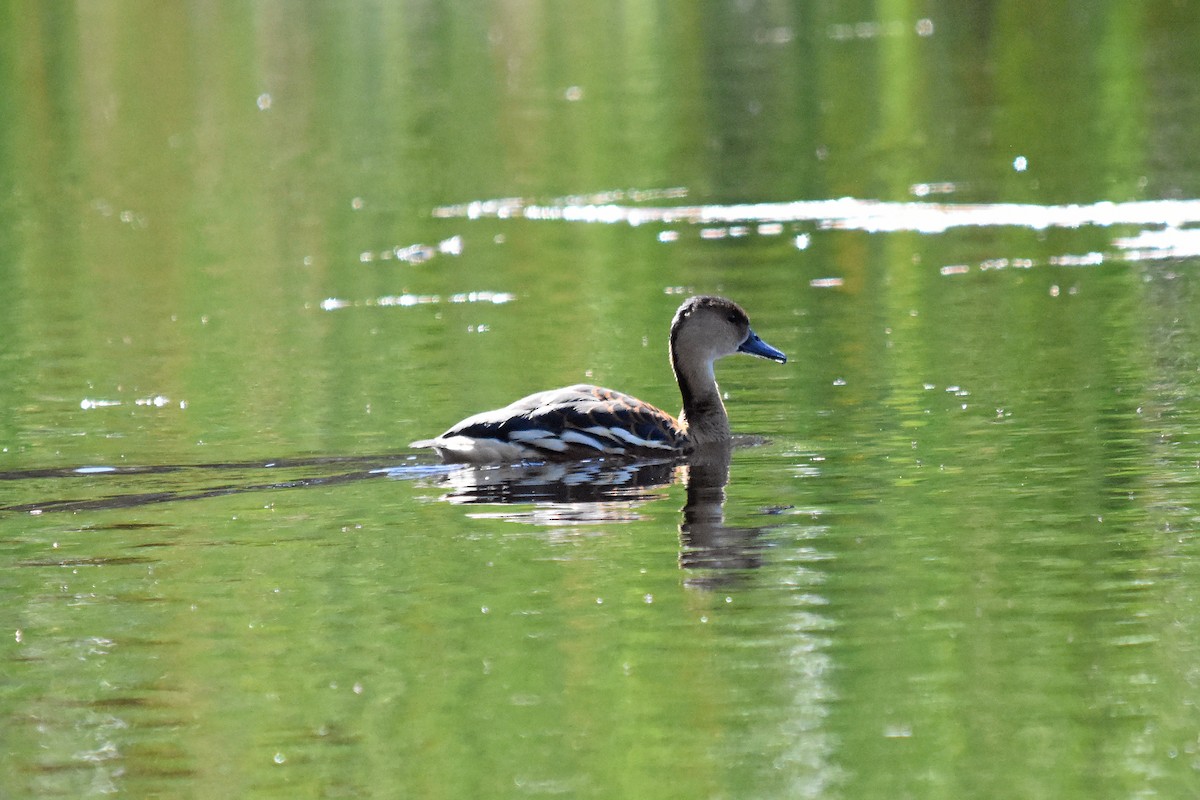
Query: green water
[[239, 276]]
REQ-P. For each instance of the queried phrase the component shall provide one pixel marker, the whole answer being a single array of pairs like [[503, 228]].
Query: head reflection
[[713, 552]]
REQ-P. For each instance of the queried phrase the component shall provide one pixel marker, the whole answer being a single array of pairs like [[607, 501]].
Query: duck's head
[[706, 328]]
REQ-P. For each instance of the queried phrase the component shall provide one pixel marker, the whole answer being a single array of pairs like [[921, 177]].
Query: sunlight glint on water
[[1165, 220]]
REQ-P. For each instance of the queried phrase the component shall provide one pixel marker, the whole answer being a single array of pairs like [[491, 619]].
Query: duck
[[583, 421]]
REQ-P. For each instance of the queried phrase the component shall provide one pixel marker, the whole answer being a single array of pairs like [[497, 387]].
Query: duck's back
[[580, 421]]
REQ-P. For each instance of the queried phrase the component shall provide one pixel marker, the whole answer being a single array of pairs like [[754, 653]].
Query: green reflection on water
[[966, 560]]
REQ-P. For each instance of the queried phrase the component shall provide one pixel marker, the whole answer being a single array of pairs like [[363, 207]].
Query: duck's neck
[[703, 415]]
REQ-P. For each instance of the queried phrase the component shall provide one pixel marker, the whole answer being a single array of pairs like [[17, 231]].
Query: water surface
[[249, 253]]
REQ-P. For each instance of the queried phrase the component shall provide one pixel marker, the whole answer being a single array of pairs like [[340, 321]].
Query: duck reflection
[[606, 491], [588, 482], [706, 543]]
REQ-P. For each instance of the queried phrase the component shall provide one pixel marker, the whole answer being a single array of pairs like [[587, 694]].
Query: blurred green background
[[974, 524]]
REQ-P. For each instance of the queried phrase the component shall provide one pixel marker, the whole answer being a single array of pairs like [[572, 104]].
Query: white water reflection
[[1166, 220], [846, 213], [1167, 243], [337, 303]]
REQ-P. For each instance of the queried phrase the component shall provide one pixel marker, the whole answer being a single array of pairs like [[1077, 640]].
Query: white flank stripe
[[637, 441], [531, 436], [578, 437]]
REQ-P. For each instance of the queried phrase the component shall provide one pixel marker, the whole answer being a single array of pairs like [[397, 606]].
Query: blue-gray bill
[[757, 347]]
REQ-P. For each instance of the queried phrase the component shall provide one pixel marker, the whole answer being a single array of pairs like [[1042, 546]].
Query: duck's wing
[[575, 422]]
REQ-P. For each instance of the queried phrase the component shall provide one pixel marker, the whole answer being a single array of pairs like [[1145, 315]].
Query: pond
[[251, 251]]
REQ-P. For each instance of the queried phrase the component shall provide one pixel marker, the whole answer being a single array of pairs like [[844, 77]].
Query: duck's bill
[[757, 347]]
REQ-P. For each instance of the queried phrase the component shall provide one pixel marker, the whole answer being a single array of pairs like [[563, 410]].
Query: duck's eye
[[733, 318]]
